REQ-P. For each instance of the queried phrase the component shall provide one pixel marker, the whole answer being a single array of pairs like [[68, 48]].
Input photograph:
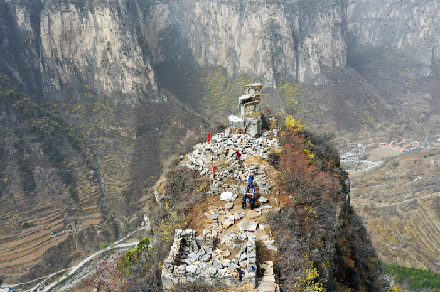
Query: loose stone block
[[205, 258], [248, 226], [262, 200], [226, 196]]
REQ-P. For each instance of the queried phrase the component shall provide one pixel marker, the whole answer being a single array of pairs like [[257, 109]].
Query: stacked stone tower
[[250, 118]]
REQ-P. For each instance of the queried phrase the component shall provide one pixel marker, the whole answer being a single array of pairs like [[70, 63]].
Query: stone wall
[[195, 260]]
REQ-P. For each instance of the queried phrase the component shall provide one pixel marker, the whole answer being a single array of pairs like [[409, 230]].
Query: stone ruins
[[227, 243], [195, 259], [250, 118]]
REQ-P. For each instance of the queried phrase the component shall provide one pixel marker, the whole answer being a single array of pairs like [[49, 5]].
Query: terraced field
[[19, 250], [400, 203]]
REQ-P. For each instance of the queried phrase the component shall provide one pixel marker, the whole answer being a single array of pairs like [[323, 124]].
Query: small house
[[57, 231]]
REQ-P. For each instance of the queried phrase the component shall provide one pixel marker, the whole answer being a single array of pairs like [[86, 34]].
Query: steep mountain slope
[[83, 165], [97, 126]]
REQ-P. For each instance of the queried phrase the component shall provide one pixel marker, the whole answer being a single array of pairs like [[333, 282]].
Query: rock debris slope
[[230, 237]]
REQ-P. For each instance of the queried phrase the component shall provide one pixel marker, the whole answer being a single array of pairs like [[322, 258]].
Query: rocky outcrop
[[409, 26], [266, 41]]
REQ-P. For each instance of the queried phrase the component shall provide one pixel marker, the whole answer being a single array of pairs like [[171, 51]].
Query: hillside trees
[[308, 227]]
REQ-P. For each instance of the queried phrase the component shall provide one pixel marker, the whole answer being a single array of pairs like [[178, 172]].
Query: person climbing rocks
[[251, 180], [243, 200], [240, 274], [251, 202], [253, 191], [237, 155]]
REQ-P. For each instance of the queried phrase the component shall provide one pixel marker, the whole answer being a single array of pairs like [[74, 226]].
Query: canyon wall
[[291, 39], [411, 27]]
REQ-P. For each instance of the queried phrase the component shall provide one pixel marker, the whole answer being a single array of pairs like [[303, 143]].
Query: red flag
[[209, 136], [213, 171]]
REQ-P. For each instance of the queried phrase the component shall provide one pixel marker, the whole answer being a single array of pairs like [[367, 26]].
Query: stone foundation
[[195, 260], [252, 126]]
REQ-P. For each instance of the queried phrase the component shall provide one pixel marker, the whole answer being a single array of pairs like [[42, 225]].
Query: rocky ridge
[[211, 257]]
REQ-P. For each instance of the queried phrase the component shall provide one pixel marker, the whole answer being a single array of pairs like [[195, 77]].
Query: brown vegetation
[[309, 228]]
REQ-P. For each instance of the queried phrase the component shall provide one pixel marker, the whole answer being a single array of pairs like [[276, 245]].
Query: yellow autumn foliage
[[171, 223]]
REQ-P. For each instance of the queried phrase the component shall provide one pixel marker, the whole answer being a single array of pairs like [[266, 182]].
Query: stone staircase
[[267, 283]]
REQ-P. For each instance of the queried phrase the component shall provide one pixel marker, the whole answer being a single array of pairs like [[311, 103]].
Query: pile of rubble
[[194, 260], [223, 145], [198, 258]]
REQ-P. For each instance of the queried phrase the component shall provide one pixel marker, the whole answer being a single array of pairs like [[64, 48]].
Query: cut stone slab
[[272, 247], [229, 205], [262, 200], [191, 269], [248, 226], [269, 279], [205, 258], [226, 196], [203, 265], [227, 223], [252, 214], [186, 261], [194, 256]]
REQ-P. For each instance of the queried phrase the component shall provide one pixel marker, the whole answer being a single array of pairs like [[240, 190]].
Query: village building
[[57, 231]]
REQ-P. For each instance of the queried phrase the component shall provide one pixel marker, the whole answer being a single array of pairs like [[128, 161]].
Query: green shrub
[[103, 245], [416, 278], [395, 164], [27, 225]]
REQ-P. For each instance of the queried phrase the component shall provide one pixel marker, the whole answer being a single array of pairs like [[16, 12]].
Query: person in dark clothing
[[251, 202], [240, 274], [243, 201], [250, 180]]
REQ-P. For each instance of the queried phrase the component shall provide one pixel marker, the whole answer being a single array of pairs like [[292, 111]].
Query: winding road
[[73, 269]]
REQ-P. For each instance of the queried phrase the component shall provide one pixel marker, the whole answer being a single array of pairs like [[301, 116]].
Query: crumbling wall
[[193, 260]]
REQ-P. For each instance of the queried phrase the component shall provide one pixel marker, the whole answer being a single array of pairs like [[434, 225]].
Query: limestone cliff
[[96, 46], [267, 40], [410, 26]]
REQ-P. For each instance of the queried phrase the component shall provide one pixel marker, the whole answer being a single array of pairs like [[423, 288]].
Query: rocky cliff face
[[266, 41], [106, 44], [19, 43], [60, 48], [95, 46], [115, 46], [410, 26]]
